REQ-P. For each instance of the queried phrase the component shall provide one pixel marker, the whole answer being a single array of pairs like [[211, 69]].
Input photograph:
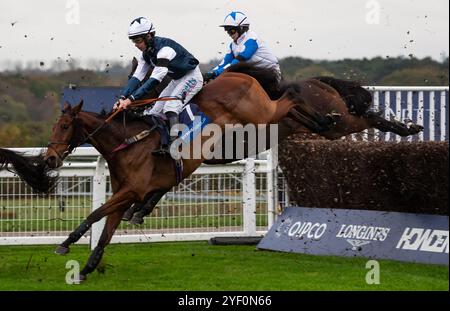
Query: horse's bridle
[[72, 145], [64, 155]]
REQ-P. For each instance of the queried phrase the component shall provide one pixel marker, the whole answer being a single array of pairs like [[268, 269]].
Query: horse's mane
[[131, 117]]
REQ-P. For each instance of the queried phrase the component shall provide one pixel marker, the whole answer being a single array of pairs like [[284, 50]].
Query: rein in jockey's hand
[[124, 103], [208, 76], [116, 106]]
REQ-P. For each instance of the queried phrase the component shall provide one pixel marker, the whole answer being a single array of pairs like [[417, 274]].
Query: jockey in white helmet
[[168, 58], [246, 46]]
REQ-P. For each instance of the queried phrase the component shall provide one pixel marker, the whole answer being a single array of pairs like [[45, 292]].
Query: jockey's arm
[[251, 46], [226, 62], [165, 55], [135, 80]]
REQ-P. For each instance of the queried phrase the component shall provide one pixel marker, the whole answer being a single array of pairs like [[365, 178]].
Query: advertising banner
[[372, 234]]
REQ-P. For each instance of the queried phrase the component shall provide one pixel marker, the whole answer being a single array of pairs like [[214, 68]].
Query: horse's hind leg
[[396, 127], [133, 209], [120, 200], [149, 205], [112, 222]]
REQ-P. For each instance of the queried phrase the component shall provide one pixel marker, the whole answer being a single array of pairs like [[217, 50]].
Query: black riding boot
[[164, 150]]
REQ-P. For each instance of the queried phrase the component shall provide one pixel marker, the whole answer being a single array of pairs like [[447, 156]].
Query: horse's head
[[67, 134]]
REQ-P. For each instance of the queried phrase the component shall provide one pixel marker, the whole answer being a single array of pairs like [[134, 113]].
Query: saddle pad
[[194, 119], [191, 116]]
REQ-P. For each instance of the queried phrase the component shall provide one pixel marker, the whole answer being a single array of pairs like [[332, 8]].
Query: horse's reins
[[136, 103]]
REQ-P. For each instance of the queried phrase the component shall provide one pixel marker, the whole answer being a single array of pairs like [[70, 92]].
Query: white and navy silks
[[251, 49], [168, 58]]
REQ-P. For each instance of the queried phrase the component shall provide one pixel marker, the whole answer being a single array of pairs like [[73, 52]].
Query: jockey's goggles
[[138, 40], [231, 30]]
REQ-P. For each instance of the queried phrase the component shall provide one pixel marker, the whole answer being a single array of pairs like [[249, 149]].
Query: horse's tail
[[357, 98], [31, 169]]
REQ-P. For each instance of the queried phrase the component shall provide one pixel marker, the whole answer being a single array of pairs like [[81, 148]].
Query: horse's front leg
[[117, 202], [112, 222]]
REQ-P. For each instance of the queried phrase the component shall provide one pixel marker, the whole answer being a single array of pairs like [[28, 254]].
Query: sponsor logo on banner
[[283, 227], [359, 235], [301, 230], [424, 240]]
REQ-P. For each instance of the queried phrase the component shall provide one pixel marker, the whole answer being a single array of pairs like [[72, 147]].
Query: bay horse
[[138, 176], [347, 101]]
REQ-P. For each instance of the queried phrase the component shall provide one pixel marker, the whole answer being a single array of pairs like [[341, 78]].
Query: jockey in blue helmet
[[246, 46], [168, 58]]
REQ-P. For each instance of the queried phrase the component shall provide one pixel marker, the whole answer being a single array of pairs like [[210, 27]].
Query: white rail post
[[409, 103], [249, 197], [398, 111], [376, 107], [272, 185], [420, 113], [98, 199], [443, 123], [387, 112], [431, 116]]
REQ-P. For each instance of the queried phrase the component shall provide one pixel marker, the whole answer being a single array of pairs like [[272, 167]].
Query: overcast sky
[[321, 29]]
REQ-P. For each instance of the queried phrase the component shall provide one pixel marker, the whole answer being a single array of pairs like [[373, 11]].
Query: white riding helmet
[[235, 19], [140, 26]]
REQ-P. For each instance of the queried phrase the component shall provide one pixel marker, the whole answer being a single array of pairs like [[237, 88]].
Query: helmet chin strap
[[240, 29], [149, 41]]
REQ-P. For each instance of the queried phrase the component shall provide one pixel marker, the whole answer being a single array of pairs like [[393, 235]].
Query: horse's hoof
[[415, 129], [128, 215], [136, 220], [62, 250], [333, 118]]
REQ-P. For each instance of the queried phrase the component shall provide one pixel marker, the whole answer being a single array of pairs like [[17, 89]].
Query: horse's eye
[[64, 126]]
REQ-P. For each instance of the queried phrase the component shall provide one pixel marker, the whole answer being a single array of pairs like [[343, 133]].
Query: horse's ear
[[77, 108], [67, 107]]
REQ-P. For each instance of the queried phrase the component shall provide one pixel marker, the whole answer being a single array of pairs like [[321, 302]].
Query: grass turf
[[201, 266]]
